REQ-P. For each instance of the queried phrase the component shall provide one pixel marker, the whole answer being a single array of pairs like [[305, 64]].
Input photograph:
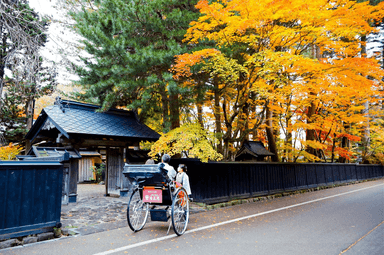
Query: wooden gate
[[115, 164]]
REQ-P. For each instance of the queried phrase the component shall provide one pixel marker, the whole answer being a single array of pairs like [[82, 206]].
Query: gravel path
[[93, 212]]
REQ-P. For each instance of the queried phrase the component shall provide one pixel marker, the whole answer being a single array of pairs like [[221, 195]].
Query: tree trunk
[[228, 134], [164, 99], [333, 148], [366, 137], [2, 62], [310, 136], [199, 103], [174, 115], [1, 90], [200, 114], [1, 80], [344, 144], [29, 112], [288, 141], [244, 134], [174, 111], [270, 135], [217, 115]]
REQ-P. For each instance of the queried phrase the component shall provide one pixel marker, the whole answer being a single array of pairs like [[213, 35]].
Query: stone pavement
[[93, 212]]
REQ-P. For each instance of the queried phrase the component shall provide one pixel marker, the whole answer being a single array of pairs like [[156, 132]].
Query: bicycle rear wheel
[[137, 212]]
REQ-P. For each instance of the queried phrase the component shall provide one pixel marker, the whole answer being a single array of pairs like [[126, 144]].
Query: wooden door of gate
[[115, 164]]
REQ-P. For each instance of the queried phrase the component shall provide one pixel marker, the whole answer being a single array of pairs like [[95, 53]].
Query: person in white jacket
[[183, 179], [165, 159]]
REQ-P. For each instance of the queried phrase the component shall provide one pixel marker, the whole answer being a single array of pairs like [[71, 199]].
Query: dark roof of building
[[74, 118], [51, 153], [255, 149]]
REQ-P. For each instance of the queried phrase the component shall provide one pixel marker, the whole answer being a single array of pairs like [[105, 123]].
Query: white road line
[[131, 246]]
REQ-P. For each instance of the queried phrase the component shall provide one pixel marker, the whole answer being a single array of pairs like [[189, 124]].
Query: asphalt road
[[344, 220]]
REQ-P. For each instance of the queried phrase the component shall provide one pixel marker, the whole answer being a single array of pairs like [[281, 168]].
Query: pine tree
[[133, 44]]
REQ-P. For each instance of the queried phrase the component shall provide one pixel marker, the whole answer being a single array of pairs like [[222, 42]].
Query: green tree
[[132, 45]]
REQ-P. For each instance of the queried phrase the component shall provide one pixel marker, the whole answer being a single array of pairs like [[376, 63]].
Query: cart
[[155, 195]]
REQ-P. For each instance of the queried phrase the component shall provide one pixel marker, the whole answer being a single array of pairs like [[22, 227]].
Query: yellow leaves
[[314, 144], [377, 140], [310, 157], [228, 70], [190, 139], [146, 145], [9, 152]]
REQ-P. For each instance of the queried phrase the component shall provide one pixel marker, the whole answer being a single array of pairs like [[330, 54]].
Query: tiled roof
[[258, 148], [255, 149], [76, 118], [53, 152]]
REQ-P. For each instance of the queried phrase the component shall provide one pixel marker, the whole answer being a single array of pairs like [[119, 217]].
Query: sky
[[43, 6], [59, 45]]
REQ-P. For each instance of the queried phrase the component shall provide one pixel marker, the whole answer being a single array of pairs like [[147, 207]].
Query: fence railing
[[220, 182], [30, 197]]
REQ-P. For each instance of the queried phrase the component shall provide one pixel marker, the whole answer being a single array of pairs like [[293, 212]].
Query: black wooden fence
[[30, 197], [221, 182]]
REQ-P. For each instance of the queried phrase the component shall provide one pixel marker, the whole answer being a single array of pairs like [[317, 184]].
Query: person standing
[[183, 179]]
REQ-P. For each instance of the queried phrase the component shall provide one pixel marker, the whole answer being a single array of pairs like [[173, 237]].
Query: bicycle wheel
[[137, 212], [180, 211]]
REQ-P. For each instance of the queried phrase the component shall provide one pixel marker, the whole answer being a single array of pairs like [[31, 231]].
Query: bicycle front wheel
[[180, 211]]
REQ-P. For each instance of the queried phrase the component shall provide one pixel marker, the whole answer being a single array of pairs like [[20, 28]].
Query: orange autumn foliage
[[289, 56], [184, 62], [9, 152]]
